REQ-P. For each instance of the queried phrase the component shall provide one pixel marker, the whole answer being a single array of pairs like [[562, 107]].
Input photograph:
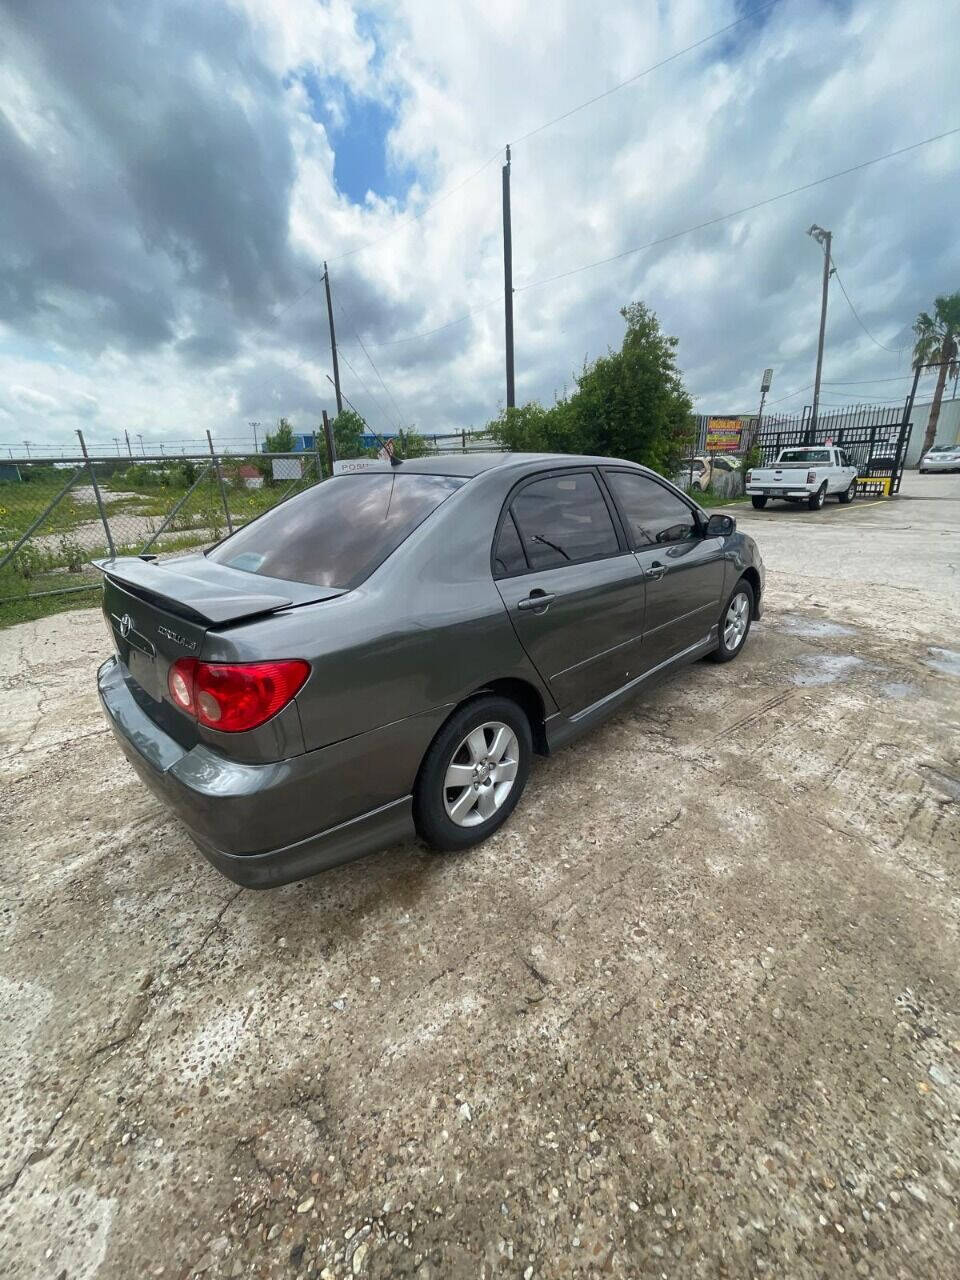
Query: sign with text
[[348, 466], [286, 468], [723, 435]]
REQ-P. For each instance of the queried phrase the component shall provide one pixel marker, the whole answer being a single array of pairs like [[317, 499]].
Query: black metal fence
[[875, 438]]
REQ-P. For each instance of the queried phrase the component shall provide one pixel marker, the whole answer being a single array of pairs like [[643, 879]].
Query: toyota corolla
[[383, 654]]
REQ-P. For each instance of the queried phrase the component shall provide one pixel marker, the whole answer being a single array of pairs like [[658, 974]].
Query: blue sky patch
[[358, 134]]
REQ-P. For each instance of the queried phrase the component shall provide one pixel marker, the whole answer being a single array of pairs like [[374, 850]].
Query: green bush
[[629, 403]]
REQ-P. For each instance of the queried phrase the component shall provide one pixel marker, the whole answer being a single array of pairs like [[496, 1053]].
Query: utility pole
[[331, 443], [256, 443], [116, 441], [823, 238], [508, 282], [127, 434], [26, 445], [333, 341], [143, 452]]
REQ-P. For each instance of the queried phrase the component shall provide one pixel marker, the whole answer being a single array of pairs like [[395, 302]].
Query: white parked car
[[809, 474], [942, 457]]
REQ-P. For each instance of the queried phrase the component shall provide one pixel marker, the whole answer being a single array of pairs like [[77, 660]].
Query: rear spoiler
[[212, 593]]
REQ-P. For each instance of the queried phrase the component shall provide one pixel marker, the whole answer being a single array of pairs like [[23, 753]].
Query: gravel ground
[[694, 1012]]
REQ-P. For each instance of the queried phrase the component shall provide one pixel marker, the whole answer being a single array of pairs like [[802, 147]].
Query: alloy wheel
[[481, 773], [736, 621]]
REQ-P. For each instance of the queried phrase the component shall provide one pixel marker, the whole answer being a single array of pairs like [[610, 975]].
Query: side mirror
[[719, 526]]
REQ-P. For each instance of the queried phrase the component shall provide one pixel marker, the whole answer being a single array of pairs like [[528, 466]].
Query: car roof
[[474, 464]]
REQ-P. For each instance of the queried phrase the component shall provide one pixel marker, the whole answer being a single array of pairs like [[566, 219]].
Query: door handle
[[537, 600], [655, 571]]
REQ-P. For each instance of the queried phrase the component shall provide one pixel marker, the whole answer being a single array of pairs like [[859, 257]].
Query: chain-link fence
[[57, 516]]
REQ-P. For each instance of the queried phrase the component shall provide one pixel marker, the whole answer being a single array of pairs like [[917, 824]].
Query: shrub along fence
[[57, 516]]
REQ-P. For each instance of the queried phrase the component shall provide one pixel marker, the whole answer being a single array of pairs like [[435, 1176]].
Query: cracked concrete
[[694, 1011]]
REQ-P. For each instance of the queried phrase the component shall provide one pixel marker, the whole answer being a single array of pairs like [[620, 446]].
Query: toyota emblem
[[126, 623]]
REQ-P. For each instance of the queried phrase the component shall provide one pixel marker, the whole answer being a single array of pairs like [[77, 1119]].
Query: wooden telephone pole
[[333, 341]]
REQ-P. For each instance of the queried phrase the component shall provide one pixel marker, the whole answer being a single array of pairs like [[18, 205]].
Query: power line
[[390, 396], [860, 382], [790, 395], [735, 213], [366, 389], [645, 72], [895, 350]]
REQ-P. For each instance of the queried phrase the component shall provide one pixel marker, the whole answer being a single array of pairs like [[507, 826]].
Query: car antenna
[[387, 448]]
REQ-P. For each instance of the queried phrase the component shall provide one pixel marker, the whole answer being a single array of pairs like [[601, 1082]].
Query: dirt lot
[[694, 1012]]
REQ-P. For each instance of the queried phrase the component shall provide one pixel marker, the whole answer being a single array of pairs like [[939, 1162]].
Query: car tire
[[816, 500], [734, 625], [758, 502], [849, 494], [453, 817]]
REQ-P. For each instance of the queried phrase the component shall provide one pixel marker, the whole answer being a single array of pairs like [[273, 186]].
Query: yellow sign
[[723, 435]]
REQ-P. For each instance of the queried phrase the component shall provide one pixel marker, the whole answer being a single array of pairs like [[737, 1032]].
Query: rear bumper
[[267, 824], [771, 491]]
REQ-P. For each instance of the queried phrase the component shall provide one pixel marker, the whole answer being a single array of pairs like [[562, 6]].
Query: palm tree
[[938, 342]]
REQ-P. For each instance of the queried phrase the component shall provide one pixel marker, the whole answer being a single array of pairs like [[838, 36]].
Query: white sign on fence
[[287, 468], [347, 466]]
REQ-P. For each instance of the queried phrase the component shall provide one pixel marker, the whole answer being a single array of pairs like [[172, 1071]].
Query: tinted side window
[[338, 532], [564, 519], [508, 556], [653, 514]]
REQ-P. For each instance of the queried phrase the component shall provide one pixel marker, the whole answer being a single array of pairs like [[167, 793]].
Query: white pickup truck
[[809, 474]]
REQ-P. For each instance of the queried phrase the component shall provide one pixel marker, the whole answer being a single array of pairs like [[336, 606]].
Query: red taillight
[[811, 477], [234, 697], [749, 477]]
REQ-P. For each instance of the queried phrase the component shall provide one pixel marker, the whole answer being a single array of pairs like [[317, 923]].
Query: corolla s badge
[[172, 635], [126, 624]]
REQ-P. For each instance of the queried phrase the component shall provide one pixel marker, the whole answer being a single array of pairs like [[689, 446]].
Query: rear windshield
[[805, 455], [338, 532]]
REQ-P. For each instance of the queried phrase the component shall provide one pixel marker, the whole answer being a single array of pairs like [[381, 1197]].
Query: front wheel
[[816, 500], [848, 495], [734, 622], [473, 773], [759, 502]]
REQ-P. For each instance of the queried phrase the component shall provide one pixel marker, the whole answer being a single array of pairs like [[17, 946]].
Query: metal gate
[[875, 438]]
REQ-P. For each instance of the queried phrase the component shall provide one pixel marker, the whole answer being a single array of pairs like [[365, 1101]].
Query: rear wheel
[[734, 622], [848, 495], [759, 502], [816, 500], [473, 774]]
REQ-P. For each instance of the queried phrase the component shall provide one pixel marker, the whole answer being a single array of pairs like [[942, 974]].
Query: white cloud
[[30, 398], [212, 313]]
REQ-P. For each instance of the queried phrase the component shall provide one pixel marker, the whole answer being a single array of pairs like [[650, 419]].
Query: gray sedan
[[383, 653], [942, 457]]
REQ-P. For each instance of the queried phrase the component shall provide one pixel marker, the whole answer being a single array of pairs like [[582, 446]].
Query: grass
[[28, 608], [710, 499], [135, 503]]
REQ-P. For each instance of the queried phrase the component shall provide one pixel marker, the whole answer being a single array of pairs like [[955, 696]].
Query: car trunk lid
[[158, 612]]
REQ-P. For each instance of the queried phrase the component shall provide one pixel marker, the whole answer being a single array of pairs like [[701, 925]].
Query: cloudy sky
[[175, 173]]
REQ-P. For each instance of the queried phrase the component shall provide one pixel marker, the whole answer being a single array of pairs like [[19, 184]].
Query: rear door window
[[652, 513], [338, 532], [564, 519], [508, 554]]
